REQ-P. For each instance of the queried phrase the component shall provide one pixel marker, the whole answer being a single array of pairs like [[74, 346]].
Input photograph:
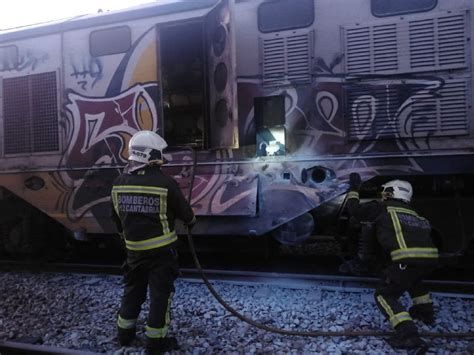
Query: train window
[[382, 8], [279, 15], [109, 41], [8, 58]]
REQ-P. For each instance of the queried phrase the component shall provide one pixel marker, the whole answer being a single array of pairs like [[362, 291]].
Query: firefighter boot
[[126, 336], [406, 337], [423, 312], [160, 346]]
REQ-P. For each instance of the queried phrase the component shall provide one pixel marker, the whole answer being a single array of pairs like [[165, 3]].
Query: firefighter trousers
[[398, 279], [158, 273]]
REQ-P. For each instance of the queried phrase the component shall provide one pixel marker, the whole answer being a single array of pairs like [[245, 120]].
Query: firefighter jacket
[[396, 228], [146, 203]]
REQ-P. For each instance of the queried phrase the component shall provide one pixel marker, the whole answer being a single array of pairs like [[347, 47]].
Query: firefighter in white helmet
[[146, 203], [408, 252]]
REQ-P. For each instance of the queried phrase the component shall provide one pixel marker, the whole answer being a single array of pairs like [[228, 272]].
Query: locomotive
[[267, 107]]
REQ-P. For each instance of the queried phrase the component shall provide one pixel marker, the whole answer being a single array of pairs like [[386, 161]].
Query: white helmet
[[400, 189], [146, 147]]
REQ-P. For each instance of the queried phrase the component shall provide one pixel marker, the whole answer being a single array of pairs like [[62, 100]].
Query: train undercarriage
[[446, 200]]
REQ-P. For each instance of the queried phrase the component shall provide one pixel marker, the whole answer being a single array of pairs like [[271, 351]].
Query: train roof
[[164, 7]]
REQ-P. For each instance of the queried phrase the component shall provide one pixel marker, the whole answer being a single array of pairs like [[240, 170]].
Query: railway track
[[337, 283], [462, 289], [16, 347], [333, 282]]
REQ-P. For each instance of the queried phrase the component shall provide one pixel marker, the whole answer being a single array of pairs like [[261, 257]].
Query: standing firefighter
[[146, 203], [404, 238]]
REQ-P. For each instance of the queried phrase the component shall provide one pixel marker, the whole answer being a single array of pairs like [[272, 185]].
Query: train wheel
[[295, 232]]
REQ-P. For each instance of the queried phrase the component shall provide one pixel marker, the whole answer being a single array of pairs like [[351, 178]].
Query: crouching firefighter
[[145, 204], [404, 239]]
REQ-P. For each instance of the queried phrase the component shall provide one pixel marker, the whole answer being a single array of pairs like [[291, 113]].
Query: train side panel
[[280, 109]]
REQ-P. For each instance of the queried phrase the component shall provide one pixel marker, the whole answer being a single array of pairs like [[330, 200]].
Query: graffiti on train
[[98, 132], [12, 60], [87, 72], [96, 123]]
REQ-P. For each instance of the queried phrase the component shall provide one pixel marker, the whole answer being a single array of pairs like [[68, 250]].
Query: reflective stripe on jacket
[[419, 229], [399, 230], [146, 204]]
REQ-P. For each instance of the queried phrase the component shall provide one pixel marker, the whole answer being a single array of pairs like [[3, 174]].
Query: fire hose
[[315, 333]]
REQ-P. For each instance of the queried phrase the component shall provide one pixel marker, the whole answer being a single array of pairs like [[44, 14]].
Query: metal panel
[[371, 111], [286, 57], [273, 60], [30, 122], [385, 46], [400, 45], [221, 64], [16, 115], [44, 112], [422, 44], [358, 50], [446, 115], [372, 49], [230, 194], [402, 110], [298, 58], [452, 41]]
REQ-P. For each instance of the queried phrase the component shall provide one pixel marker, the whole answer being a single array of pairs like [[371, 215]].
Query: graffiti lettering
[[322, 67], [9, 59], [393, 110], [327, 106], [101, 128], [96, 120], [90, 73]]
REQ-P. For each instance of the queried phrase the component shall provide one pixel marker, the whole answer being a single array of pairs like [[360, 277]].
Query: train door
[[197, 68]]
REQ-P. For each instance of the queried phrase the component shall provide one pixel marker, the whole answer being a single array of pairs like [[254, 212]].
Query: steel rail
[[288, 280], [323, 282], [311, 333], [15, 347]]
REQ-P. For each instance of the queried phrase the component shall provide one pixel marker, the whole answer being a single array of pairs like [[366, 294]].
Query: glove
[[355, 181]]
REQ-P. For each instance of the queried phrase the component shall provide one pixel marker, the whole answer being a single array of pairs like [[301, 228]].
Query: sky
[[15, 13]]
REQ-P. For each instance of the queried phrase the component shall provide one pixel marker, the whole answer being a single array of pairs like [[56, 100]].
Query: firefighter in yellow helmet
[[404, 238], [146, 203]]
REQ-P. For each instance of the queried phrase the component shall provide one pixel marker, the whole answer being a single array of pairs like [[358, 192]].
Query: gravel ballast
[[79, 312]]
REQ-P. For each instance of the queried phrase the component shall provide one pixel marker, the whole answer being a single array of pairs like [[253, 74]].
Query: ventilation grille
[[30, 114], [286, 59], [424, 44], [446, 115], [451, 40], [432, 108]]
